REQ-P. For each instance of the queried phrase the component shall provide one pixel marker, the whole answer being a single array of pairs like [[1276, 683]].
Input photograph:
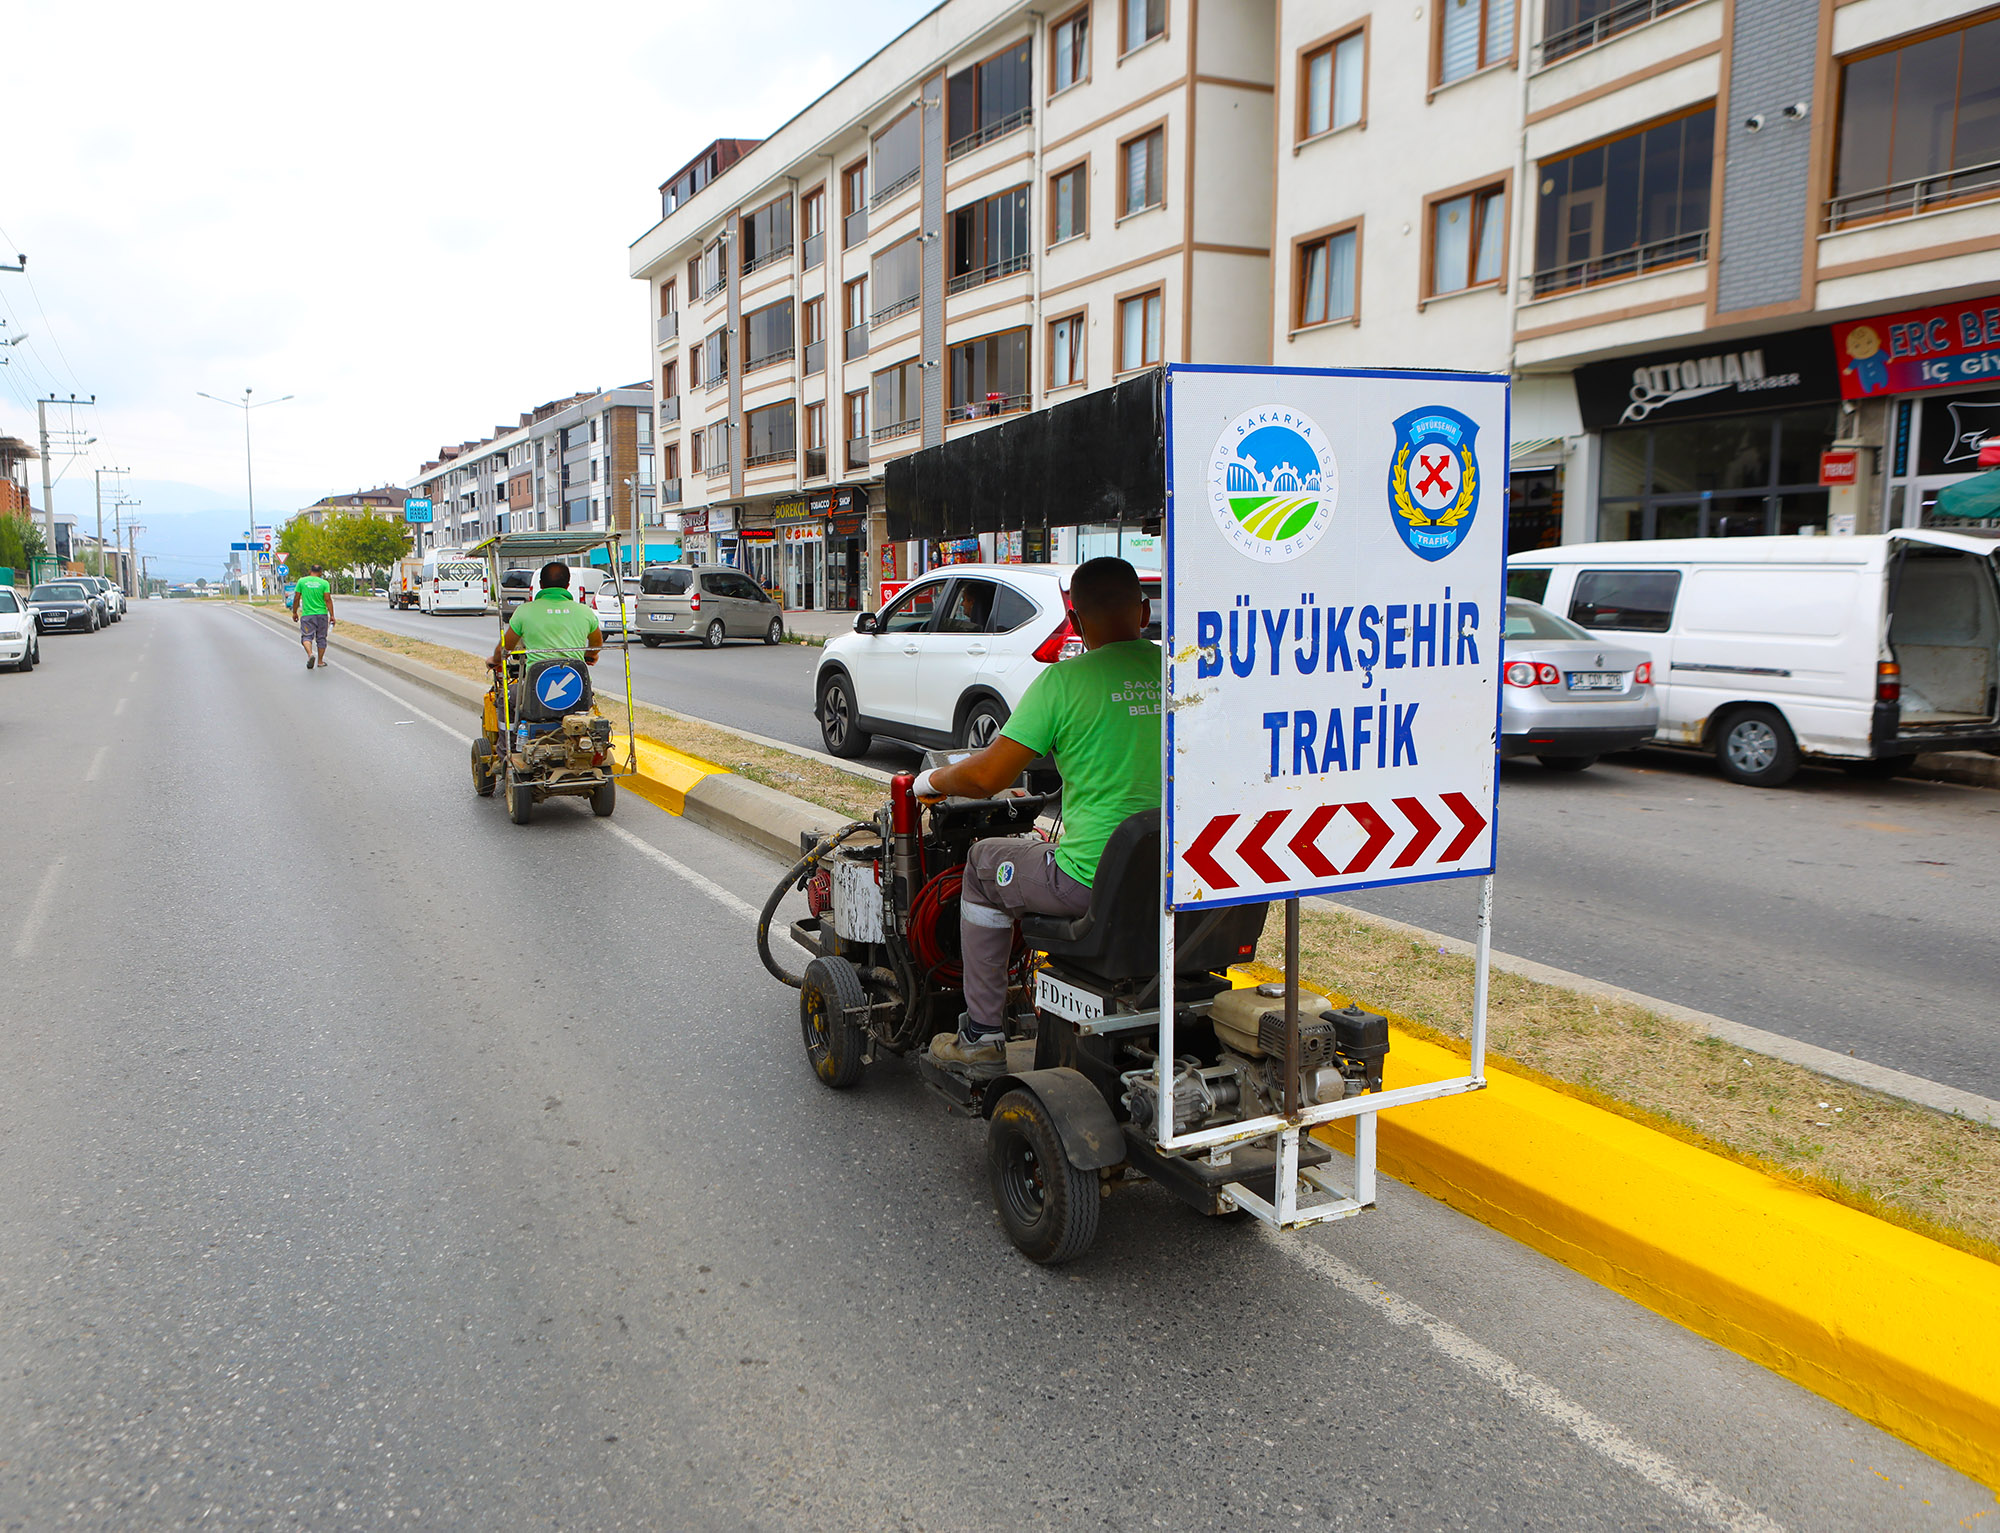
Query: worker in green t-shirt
[[312, 605], [555, 624], [1099, 716]]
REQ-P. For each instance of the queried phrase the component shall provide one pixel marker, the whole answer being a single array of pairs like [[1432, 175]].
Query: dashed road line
[[96, 764], [118, 708], [38, 910]]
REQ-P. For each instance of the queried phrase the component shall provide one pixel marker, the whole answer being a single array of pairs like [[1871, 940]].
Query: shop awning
[[1973, 499]]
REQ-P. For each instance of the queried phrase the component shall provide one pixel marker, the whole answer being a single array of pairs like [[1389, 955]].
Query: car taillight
[[1529, 673], [1888, 682], [1064, 644], [1643, 676], [694, 602]]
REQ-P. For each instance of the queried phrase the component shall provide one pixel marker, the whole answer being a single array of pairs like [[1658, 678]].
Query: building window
[[989, 240], [1755, 473], [670, 463], [695, 364], [812, 334], [857, 429], [697, 454], [770, 435], [669, 297], [1468, 240], [1066, 351], [989, 376], [1139, 22], [898, 155], [1919, 126], [989, 100], [1069, 51], [1142, 172], [897, 277], [1069, 210], [812, 228], [767, 335], [815, 441], [1140, 339], [1472, 35], [711, 271], [670, 376], [1332, 80], [1625, 207], [767, 234], [899, 401], [1328, 278], [715, 359], [644, 421], [853, 203]]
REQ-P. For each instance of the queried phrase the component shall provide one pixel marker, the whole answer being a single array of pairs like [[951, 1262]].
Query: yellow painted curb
[[666, 775], [1898, 1329]]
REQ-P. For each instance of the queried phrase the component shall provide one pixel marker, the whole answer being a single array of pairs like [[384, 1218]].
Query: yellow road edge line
[[1896, 1328]]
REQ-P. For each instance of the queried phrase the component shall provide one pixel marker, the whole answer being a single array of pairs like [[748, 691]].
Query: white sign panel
[[1335, 579]]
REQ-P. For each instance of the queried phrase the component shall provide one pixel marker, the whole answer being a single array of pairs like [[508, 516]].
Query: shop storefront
[[1937, 373], [696, 547], [823, 543], [1718, 441]]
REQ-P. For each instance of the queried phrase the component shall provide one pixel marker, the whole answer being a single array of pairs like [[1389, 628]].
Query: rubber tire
[[1881, 769], [775, 634], [29, 655], [604, 798], [520, 801], [986, 708], [651, 641], [1783, 764], [482, 768], [833, 1039], [713, 635], [852, 742], [1047, 1206], [1567, 763]]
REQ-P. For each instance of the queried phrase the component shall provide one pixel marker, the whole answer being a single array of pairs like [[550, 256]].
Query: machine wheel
[[520, 800], [983, 723], [604, 798], [482, 768], [836, 719], [713, 635], [1755, 747], [1049, 1208], [1567, 763], [1880, 769], [775, 634], [833, 1038]]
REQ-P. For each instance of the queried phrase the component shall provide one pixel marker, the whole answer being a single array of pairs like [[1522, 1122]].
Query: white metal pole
[[1481, 975], [48, 485]]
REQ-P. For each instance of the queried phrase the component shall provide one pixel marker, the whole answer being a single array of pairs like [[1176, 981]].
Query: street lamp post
[[249, 474]]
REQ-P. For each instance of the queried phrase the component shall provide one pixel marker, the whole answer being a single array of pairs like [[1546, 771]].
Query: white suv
[[946, 662]]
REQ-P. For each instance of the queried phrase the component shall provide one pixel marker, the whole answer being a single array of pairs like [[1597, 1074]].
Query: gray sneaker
[[979, 1049]]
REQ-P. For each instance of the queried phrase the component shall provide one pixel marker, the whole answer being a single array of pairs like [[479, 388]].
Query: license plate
[[1066, 1000], [1596, 681]]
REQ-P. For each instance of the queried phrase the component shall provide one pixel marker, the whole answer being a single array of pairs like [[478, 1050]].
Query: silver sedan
[[1568, 696]]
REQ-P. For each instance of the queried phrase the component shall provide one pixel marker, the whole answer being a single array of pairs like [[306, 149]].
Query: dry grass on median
[[1928, 1172]]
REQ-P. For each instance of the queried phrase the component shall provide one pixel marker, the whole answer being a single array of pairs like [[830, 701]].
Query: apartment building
[[386, 502], [583, 463], [1738, 254], [1003, 206]]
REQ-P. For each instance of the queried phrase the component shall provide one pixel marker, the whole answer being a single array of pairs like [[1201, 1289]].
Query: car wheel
[[30, 656], [983, 723], [1754, 746], [1880, 769], [837, 714], [651, 641], [1567, 763], [713, 635], [775, 634]]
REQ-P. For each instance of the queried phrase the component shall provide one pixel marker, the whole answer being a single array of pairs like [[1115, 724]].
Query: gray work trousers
[[1006, 877]]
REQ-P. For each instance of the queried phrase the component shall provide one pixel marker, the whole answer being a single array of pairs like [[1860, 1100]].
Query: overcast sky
[[412, 217]]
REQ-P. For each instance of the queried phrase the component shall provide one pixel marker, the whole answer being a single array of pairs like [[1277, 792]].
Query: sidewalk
[[821, 625]]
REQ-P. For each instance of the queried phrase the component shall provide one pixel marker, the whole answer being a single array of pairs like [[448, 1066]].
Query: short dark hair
[[555, 576], [1105, 585], [316, 569]]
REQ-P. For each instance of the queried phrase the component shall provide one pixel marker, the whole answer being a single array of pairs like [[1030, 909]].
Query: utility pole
[[249, 476], [98, 475], [72, 448], [117, 538], [132, 531]]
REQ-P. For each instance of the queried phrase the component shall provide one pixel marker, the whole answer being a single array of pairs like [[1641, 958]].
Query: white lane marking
[[120, 708], [679, 869], [1715, 1506], [38, 910], [402, 702], [96, 764], [132, 678]]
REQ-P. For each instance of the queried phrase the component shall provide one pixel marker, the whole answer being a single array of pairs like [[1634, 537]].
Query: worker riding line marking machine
[[541, 735], [1333, 547]]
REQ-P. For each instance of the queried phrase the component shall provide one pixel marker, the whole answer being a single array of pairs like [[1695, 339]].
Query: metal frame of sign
[[1304, 1195]]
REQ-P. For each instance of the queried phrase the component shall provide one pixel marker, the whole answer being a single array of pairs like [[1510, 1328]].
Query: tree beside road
[[346, 541]]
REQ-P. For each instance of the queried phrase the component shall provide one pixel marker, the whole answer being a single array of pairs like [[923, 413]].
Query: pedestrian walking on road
[[312, 605]]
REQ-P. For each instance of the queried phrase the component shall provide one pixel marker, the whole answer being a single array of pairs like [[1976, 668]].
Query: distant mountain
[[188, 528]]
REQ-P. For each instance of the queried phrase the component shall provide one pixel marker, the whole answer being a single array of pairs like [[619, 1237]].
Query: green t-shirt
[[1099, 716], [313, 592], [554, 623]]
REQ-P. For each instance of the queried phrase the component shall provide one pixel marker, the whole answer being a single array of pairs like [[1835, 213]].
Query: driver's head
[[555, 576], [1109, 603], [317, 569]]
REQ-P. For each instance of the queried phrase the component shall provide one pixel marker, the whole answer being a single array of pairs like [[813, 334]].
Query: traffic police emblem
[[559, 687], [1434, 480], [1272, 483]]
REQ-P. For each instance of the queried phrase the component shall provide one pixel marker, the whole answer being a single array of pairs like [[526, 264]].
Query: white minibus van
[[1861, 650], [452, 581]]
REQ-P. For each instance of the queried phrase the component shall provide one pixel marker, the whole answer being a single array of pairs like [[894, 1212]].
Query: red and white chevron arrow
[[1285, 847]]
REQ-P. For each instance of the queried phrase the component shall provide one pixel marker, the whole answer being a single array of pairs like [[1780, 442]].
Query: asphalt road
[[366, 1159], [1854, 915]]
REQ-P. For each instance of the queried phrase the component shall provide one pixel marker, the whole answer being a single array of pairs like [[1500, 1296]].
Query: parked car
[[112, 598], [1569, 697], [66, 606], [20, 644], [710, 602], [615, 601], [516, 587], [379, 592], [449, 581], [946, 662], [1862, 651]]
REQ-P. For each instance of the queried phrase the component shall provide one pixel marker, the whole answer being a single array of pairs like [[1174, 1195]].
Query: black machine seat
[[1119, 936], [563, 695]]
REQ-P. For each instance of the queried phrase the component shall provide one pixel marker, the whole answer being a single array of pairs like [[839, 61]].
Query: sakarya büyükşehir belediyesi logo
[[1272, 483], [1434, 480]]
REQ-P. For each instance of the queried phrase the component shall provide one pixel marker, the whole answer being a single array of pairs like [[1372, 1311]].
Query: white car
[[946, 662], [20, 644]]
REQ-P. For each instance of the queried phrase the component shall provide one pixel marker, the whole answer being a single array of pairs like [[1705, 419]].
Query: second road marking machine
[[1331, 667]]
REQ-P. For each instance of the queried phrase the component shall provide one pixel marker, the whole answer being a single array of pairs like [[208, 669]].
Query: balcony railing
[[666, 328], [815, 361], [987, 134], [992, 272], [670, 492], [857, 452], [717, 285], [717, 469], [815, 463], [1678, 251], [768, 359], [896, 429], [710, 385], [1900, 199], [884, 193], [991, 405], [1588, 34], [813, 251], [770, 258], [854, 342], [854, 228], [781, 455], [900, 306]]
